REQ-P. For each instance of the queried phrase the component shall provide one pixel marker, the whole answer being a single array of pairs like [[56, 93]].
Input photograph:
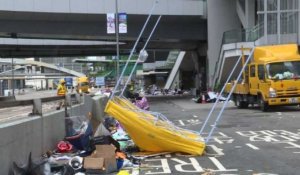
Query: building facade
[[249, 23]]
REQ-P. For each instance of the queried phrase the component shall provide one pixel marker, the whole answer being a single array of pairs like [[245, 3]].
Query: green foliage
[[218, 87]]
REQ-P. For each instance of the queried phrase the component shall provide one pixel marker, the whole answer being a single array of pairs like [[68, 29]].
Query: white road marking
[[238, 146], [252, 146], [194, 163], [294, 145], [164, 165], [270, 132], [195, 116], [217, 150], [221, 133], [266, 133], [217, 140], [217, 163], [181, 122], [296, 152]]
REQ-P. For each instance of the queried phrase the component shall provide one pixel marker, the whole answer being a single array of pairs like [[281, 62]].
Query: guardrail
[[37, 103], [8, 98]]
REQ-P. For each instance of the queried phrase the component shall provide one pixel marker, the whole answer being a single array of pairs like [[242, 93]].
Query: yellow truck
[[83, 85], [272, 78]]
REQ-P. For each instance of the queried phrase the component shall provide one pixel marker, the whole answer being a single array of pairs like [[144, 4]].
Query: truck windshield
[[84, 84], [284, 70]]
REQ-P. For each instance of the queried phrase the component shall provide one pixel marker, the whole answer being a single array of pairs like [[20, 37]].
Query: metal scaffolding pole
[[117, 41]]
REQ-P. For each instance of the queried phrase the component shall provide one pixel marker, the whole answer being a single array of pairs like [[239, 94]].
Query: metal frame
[[228, 97], [134, 67], [133, 50]]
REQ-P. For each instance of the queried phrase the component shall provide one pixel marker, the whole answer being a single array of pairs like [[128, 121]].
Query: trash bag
[[40, 167], [101, 130]]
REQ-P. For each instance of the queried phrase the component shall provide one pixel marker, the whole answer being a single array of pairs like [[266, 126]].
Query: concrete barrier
[[99, 103], [38, 134]]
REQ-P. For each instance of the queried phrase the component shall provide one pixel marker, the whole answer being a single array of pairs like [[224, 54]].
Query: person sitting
[[141, 101]]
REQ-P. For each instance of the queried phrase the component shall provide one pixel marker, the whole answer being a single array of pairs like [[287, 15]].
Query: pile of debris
[[108, 149], [208, 97]]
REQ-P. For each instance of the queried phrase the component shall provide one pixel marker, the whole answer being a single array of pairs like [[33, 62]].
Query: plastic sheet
[[151, 133]]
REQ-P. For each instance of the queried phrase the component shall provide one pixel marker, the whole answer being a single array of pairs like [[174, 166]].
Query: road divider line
[[252, 146]]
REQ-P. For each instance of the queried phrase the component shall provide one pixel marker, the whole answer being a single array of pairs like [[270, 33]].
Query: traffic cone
[[203, 99]]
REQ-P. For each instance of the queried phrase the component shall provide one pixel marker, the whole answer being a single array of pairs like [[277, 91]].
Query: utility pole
[[13, 74], [117, 41]]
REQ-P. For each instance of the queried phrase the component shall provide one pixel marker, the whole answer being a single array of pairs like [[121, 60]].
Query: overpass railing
[[37, 103]]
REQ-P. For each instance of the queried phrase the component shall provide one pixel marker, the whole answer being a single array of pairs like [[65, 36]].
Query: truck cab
[[83, 85]]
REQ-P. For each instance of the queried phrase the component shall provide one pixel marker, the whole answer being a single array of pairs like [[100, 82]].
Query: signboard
[[69, 81], [122, 23], [100, 81], [110, 23]]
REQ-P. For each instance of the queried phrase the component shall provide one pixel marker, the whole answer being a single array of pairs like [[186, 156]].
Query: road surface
[[246, 142]]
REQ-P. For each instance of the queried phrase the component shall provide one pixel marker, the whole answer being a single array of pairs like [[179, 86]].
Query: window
[[261, 72], [289, 22], [272, 23], [252, 71], [284, 70], [271, 5], [288, 4], [260, 5]]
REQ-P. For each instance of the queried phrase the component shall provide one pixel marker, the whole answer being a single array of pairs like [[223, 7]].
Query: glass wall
[[272, 23], [271, 5], [277, 18], [288, 22], [288, 4]]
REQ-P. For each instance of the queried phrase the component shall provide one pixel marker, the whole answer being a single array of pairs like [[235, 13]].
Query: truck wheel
[[263, 105], [239, 103], [235, 100], [245, 104]]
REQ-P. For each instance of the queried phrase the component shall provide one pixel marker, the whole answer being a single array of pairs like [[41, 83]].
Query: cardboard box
[[102, 160], [94, 163]]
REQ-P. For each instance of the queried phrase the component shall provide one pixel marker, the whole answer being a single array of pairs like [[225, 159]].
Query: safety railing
[[37, 103], [237, 36]]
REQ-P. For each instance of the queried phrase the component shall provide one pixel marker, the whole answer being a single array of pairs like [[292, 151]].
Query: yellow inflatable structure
[[151, 131]]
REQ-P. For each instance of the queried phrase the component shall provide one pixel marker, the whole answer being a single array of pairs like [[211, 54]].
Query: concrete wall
[[165, 7], [32, 134], [221, 17], [298, 24], [38, 134]]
